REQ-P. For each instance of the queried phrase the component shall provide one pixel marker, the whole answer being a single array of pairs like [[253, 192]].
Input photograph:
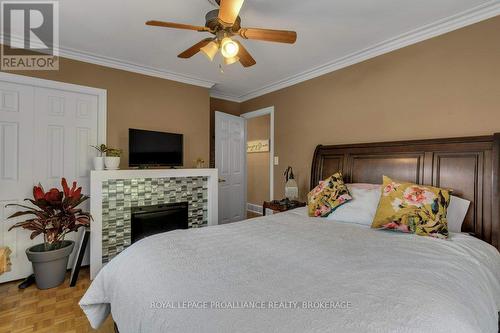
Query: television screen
[[149, 148]]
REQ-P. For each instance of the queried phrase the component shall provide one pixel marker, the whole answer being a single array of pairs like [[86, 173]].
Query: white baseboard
[[254, 208], [257, 209]]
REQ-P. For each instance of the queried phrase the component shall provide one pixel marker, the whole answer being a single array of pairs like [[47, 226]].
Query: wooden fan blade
[[194, 49], [280, 36], [229, 11], [245, 58], [176, 25]]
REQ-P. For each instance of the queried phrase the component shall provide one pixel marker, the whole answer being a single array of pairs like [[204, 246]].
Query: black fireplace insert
[[150, 220]]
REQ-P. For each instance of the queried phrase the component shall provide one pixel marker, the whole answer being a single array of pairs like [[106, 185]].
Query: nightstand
[[281, 205]]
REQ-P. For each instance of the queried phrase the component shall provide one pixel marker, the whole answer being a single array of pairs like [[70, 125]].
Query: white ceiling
[[331, 34]]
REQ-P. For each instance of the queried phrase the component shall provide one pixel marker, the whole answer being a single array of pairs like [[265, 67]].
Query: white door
[[66, 125], [45, 134], [230, 160], [16, 170]]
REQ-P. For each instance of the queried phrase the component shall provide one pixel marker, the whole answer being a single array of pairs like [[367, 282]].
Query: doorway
[[260, 159], [245, 178]]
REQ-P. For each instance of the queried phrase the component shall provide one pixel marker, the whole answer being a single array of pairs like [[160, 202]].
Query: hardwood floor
[[251, 215], [53, 310]]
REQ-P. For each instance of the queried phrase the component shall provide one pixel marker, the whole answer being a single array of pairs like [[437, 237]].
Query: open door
[[230, 160]]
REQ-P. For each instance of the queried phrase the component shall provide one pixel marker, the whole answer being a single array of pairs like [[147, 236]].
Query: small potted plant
[[200, 163], [99, 160], [112, 159], [56, 214]]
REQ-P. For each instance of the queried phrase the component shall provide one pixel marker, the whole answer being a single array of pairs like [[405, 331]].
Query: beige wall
[[444, 87], [258, 163], [139, 101]]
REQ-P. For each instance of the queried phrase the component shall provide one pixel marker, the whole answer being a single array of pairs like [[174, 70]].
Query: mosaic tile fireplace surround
[[120, 195], [114, 193]]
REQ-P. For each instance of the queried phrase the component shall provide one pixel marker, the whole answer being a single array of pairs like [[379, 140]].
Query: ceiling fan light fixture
[[210, 50], [229, 48], [232, 60], [223, 24]]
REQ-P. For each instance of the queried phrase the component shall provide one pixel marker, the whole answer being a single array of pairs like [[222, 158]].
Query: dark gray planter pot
[[49, 266]]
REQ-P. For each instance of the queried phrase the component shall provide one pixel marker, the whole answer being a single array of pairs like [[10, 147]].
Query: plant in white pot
[[112, 159], [99, 160], [56, 214]]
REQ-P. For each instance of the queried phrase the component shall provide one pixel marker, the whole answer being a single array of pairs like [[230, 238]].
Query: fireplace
[[115, 193], [150, 220]]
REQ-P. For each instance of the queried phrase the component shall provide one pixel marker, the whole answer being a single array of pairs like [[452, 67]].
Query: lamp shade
[[210, 50], [291, 187], [232, 60]]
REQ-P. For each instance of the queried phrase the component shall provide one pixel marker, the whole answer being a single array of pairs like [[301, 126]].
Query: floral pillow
[[327, 196], [413, 208]]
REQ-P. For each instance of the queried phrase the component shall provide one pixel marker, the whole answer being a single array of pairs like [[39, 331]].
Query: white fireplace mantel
[[98, 177]]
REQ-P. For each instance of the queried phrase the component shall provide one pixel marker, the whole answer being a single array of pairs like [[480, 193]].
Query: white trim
[[214, 93], [33, 81], [127, 66], [135, 68], [256, 209], [102, 116], [454, 22], [259, 113], [101, 95], [245, 166], [96, 179], [440, 27], [227, 97]]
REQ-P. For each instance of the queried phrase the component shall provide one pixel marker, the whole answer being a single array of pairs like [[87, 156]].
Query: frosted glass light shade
[[232, 60], [210, 50], [291, 189]]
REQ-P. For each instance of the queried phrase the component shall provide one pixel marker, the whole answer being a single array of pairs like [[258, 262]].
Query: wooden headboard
[[469, 166]]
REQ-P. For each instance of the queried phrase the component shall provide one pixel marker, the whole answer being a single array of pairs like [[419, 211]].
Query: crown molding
[[214, 93], [135, 68], [127, 66], [440, 27], [471, 16]]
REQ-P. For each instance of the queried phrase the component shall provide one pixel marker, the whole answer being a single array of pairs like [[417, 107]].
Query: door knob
[[222, 180]]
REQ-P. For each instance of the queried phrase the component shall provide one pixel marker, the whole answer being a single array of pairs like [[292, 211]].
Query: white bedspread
[[373, 281]]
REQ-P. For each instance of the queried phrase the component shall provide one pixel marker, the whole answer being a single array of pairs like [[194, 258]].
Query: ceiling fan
[[224, 23]]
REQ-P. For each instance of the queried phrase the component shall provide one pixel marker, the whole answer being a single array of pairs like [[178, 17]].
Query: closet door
[[16, 170], [66, 128], [45, 134]]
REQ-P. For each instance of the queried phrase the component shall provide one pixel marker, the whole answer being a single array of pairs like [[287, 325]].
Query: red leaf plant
[[56, 214]]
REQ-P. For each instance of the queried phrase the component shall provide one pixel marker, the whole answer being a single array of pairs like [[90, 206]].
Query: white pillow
[[362, 208], [457, 210]]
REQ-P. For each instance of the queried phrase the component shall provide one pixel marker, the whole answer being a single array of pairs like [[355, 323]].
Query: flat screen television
[[150, 148]]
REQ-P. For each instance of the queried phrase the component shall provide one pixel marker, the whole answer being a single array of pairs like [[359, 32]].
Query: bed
[[292, 273]]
